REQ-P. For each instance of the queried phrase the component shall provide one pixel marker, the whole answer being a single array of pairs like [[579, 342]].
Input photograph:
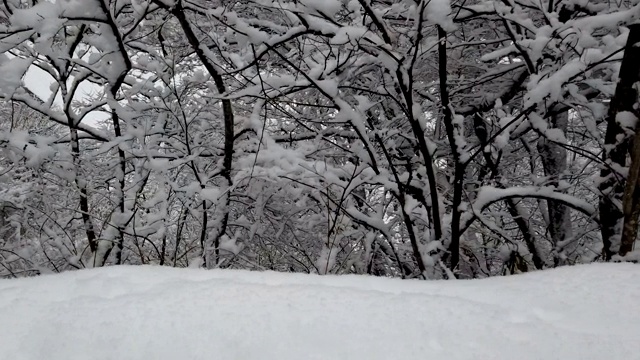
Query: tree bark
[[554, 162], [459, 167], [617, 144], [631, 201], [228, 117]]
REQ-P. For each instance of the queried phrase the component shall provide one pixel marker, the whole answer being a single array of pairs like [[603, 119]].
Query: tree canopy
[[406, 138]]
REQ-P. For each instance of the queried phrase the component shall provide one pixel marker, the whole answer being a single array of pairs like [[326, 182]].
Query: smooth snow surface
[[153, 313]]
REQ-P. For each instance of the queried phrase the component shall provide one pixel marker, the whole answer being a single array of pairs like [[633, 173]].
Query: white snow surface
[[582, 312]]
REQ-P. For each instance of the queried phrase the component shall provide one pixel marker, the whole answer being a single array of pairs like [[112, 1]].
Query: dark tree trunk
[[228, 121], [631, 201], [554, 162], [617, 143]]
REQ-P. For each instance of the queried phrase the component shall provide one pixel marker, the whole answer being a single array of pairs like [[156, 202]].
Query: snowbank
[[153, 313]]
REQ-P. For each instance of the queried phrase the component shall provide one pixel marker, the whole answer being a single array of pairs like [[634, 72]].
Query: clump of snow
[[129, 313], [550, 86], [230, 245], [326, 7], [12, 72], [438, 11], [327, 259], [627, 120], [498, 54], [211, 194]]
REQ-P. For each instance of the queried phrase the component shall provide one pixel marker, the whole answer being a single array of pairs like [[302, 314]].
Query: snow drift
[[582, 312]]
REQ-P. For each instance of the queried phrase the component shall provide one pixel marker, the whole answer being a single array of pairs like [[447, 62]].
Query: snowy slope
[[152, 313]]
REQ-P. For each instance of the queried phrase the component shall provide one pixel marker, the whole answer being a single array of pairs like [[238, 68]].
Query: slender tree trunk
[[79, 180], [617, 144], [181, 221], [228, 118], [121, 182], [458, 177], [74, 143], [81, 183], [121, 170], [554, 162]]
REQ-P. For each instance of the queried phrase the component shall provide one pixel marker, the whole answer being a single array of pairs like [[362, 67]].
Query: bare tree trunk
[[74, 143], [181, 221], [228, 118], [617, 144], [631, 201], [459, 167], [121, 170], [81, 183], [554, 162]]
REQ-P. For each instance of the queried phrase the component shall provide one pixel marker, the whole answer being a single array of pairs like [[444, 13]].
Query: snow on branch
[[489, 195]]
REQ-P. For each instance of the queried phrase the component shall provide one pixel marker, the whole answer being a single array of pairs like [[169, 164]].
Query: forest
[[417, 139]]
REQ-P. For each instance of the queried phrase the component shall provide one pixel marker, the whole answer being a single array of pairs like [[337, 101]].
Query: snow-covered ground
[[153, 313]]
